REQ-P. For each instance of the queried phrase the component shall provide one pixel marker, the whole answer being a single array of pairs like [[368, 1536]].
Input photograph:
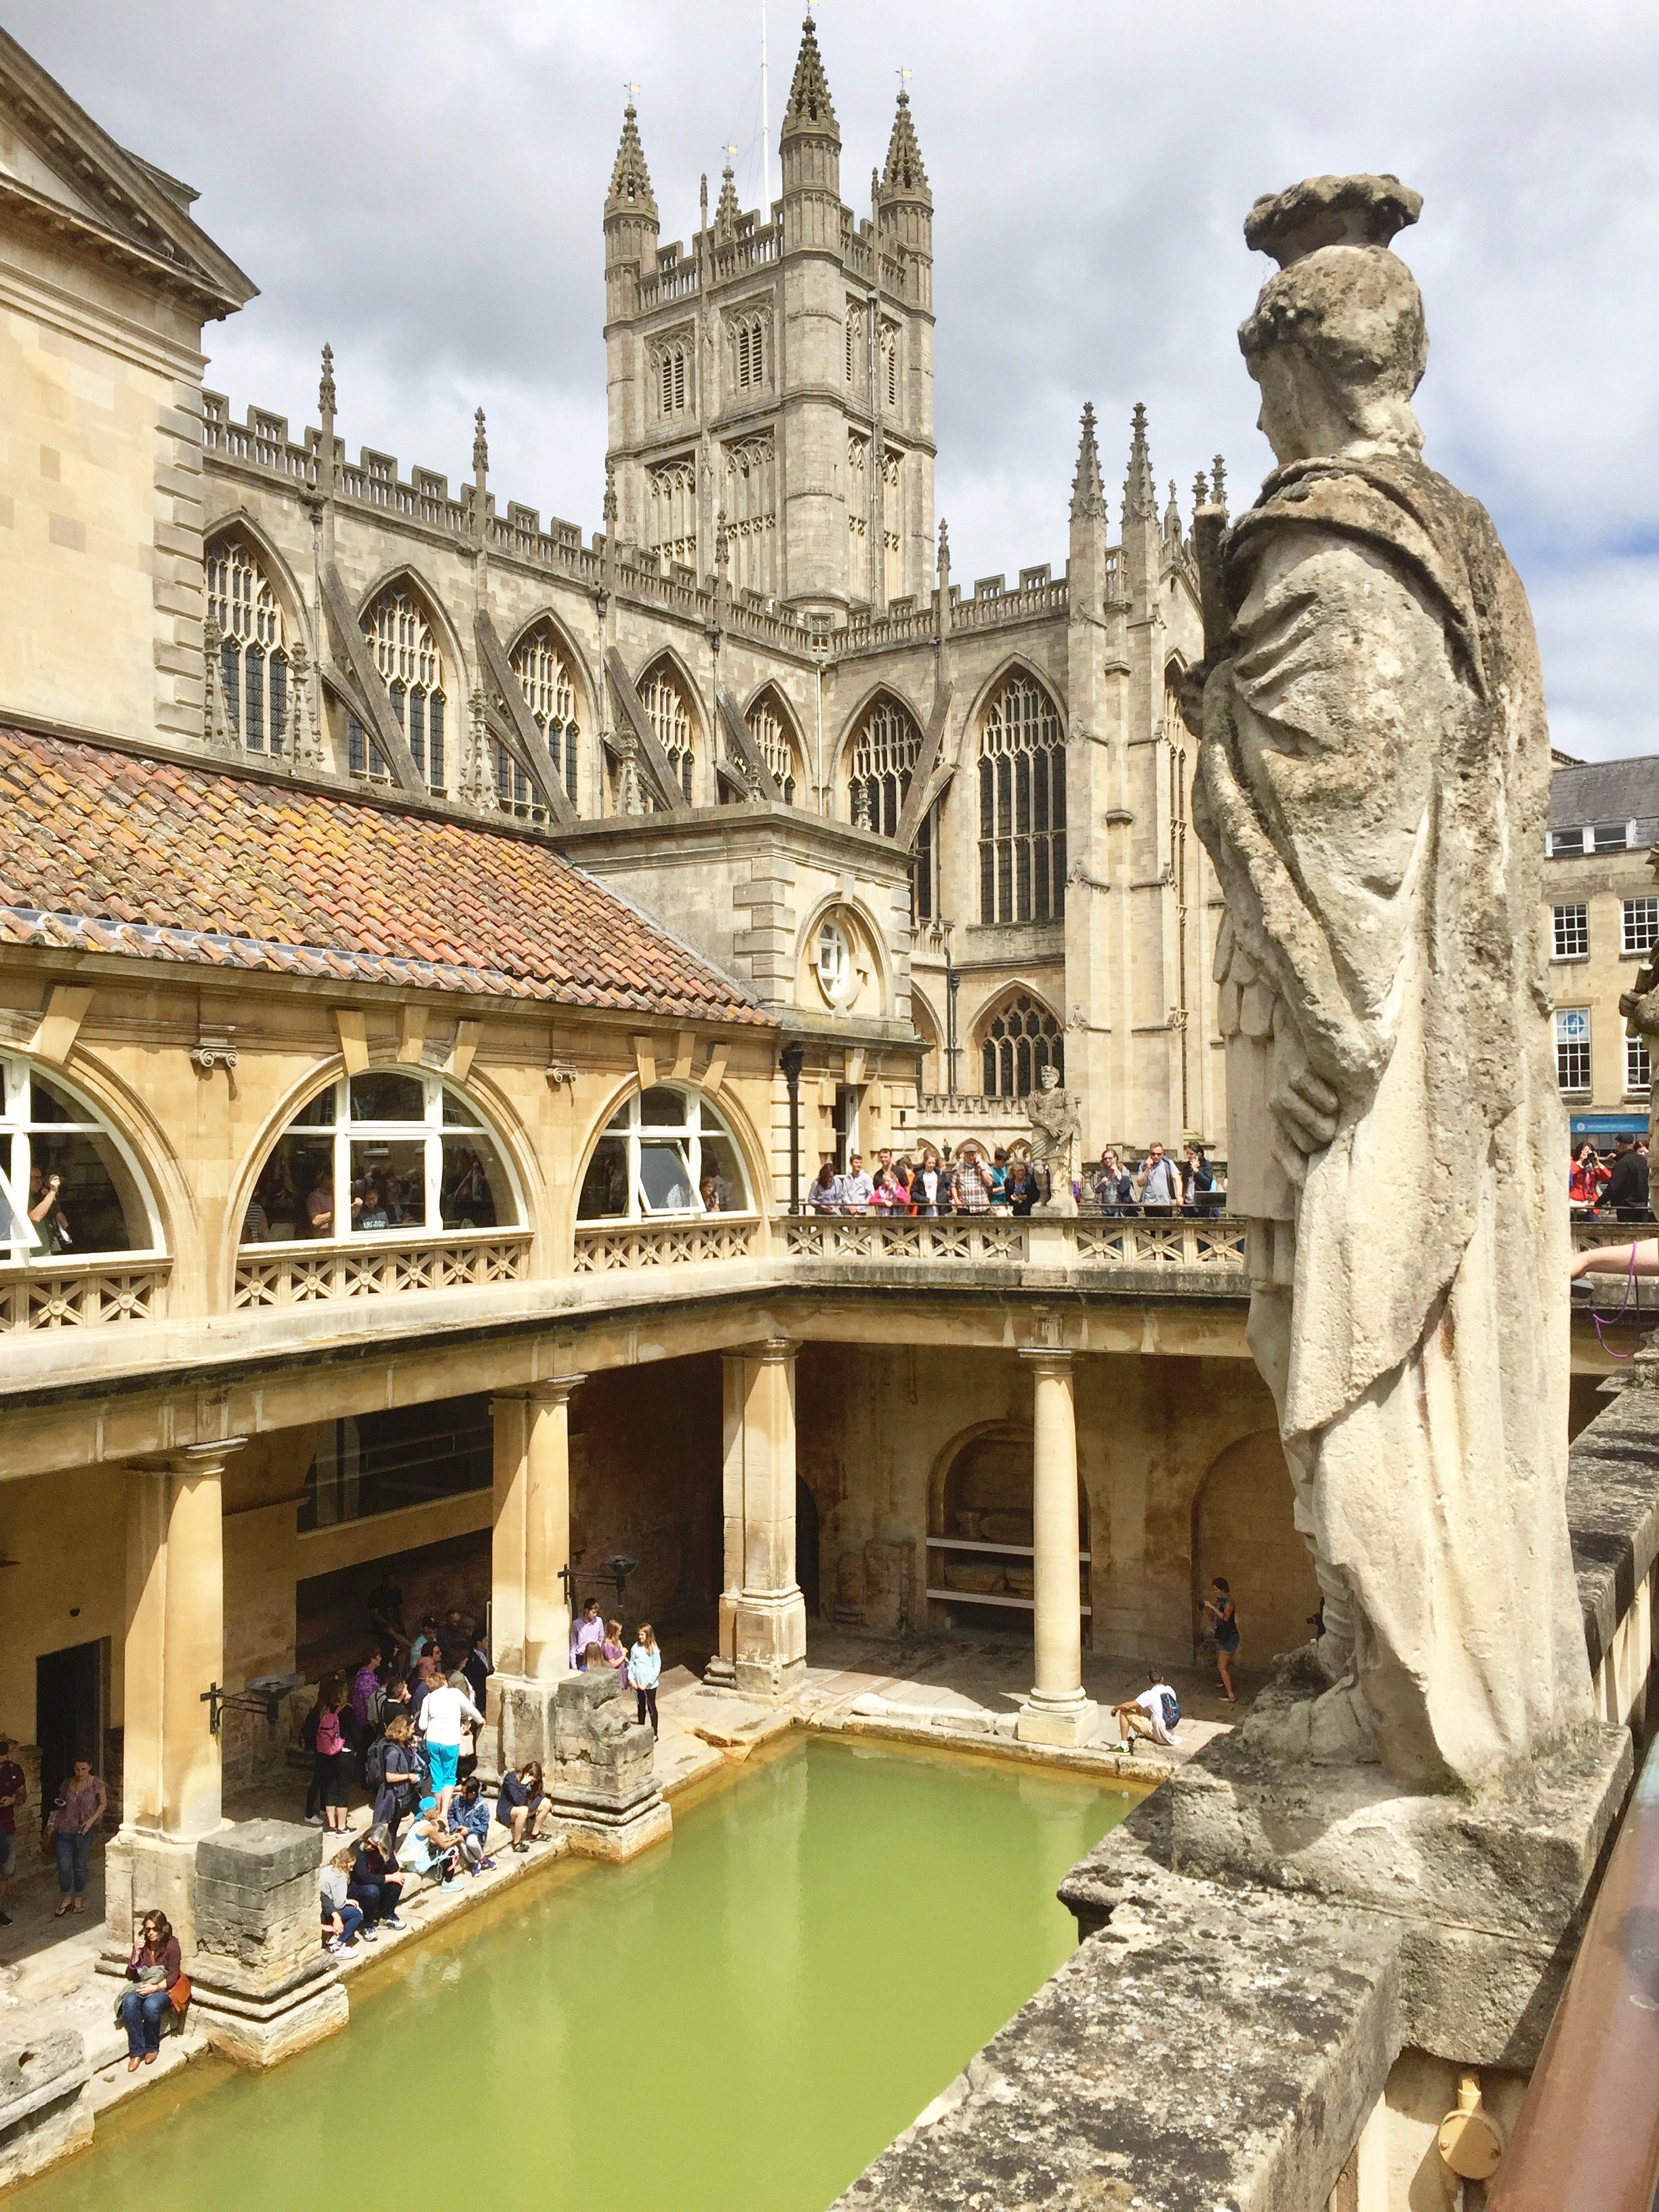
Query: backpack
[[1171, 1708], [375, 1764]]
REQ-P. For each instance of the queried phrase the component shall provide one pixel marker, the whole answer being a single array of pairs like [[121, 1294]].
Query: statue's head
[[1049, 1078], [1336, 341]]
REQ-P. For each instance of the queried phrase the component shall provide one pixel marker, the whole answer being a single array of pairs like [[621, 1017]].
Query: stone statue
[[1372, 785], [1056, 1119]]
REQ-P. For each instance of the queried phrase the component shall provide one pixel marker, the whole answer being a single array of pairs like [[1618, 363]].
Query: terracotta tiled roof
[[111, 853]]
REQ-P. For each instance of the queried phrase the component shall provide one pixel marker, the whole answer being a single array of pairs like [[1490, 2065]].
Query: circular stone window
[[832, 962]]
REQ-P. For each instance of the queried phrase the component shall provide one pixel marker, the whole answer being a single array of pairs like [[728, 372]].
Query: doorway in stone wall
[[69, 1705], [1244, 1528], [806, 1547], [979, 1535]]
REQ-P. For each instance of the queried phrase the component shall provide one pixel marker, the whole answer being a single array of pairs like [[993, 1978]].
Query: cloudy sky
[[419, 182]]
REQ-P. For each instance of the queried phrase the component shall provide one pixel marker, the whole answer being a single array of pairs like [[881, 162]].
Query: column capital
[[1045, 1356], [187, 1458], [768, 1352], [555, 1390]]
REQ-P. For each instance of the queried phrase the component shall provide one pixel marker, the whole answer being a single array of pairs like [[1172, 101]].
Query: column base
[[258, 2034], [519, 1722], [144, 1872], [1066, 1722], [770, 1645], [613, 1833], [721, 1673]]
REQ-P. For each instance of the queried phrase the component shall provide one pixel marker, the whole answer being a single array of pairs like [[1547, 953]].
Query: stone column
[[1056, 1711], [762, 1613], [530, 1607], [172, 1775]]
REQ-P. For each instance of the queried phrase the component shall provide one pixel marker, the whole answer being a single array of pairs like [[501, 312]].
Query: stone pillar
[[175, 1643], [603, 1775], [530, 1606], [263, 1988], [1056, 1713], [762, 1613]]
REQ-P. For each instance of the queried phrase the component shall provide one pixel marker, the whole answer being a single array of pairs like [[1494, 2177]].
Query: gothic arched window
[[253, 654], [673, 367], [777, 747], [884, 752], [749, 351], [1022, 807], [406, 650], [890, 346], [855, 333], [672, 519], [545, 678], [671, 721], [1020, 1039]]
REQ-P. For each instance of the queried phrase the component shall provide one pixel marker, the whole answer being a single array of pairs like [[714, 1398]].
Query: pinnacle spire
[[1172, 514], [904, 178], [810, 107], [727, 211], [480, 445], [1139, 492], [1088, 488], [630, 180], [326, 401]]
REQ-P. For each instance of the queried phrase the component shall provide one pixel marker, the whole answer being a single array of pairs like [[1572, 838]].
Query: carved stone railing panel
[[304, 1277], [643, 1244], [858, 1237], [84, 1297], [1121, 1242]]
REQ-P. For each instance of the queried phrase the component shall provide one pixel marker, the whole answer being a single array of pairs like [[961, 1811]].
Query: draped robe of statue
[[1372, 787]]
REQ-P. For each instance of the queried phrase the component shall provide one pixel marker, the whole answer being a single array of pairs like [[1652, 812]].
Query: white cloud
[[421, 183]]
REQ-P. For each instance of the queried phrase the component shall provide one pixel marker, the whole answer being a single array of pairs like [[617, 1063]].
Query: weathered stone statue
[[1056, 1119], [1371, 787]]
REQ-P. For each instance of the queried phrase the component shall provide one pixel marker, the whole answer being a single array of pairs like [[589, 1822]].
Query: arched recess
[[928, 1028], [772, 724], [673, 707], [105, 1201], [417, 654], [856, 979], [651, 1155], [393, 1153], [1020, 786], [877, 757], [557, 690], [980, 1493], [1017, 1036], [254, 597], [1244, 1528]]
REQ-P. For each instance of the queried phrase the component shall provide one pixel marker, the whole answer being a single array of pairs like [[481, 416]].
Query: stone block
[[257, 1908], [1066, 1727], [519, 1722], [145, 1873], [603, 1783], [46, 2101]]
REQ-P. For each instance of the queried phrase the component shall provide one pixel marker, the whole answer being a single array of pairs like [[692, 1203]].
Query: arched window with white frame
[[69, 1189], [540, 665], [391, 1153], [1021, 805], [254, 649], [883, 757], [404, 646], [665, 1154], [670, 716]]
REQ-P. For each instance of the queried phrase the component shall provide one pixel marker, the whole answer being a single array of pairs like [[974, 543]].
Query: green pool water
[[737, 2022]]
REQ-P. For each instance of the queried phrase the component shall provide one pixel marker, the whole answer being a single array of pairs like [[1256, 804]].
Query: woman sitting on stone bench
[[154, 1968]]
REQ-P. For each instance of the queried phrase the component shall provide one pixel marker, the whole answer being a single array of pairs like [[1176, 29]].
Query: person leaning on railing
[[823, 1191], [1640, 1258], [1158, 1184], [970, 1183]]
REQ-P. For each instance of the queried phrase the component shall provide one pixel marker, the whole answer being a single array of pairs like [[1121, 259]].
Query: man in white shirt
[[1158, 1184], [442, 1713], [1153, 1714], [856, 1187]]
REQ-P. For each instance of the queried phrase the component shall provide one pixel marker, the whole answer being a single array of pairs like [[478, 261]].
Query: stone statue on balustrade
[[1056, 1119], [1372, 784]]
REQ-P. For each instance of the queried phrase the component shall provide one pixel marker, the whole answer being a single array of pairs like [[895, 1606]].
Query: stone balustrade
[[301, 1273], [607, 1248], [82, 1294]]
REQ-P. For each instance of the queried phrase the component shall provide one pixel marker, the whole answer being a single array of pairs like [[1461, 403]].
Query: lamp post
[[953, 985], [790, 1060]]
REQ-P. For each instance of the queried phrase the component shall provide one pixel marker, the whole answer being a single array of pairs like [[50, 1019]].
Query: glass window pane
[[318, 1114], [663, 1109], [664, 1178], [15, 1230], [457, 1114], [49, 1103], [98, 1208], [388, 1184], [294, 1194], [474, 1192], [605, 1186], [386, 1097], [624, 1116], [719, 1162]]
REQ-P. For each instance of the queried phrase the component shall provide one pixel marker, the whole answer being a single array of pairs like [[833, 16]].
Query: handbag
[[179, 1995]]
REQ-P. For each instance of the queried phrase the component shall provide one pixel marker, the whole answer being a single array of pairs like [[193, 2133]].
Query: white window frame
[[431, 1129], [20, 1130], [832, 960], [1571, 1040], [1646, 914], [626, 1122], [1638, 1067], [1570, 940]]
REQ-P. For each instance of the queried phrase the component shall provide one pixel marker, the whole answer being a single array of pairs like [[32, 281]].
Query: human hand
[[1306, 1109]]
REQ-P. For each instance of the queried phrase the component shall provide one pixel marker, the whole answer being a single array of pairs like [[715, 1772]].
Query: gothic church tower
[[780, 373]]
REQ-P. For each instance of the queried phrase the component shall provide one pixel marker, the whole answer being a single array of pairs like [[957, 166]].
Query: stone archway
[[983, 1494], [1243, 1528]]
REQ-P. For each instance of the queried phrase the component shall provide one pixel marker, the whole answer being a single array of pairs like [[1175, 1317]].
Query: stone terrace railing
[[605, 1251], [303, 1275], [952, 1237], [83, 1295]]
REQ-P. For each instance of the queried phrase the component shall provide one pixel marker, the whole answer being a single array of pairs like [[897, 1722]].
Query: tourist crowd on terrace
[[401, 1731], [970, 1183], [1610, 1186]]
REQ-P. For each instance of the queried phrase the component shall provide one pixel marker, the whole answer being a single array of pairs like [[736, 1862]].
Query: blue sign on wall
[[1609, 1125]]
